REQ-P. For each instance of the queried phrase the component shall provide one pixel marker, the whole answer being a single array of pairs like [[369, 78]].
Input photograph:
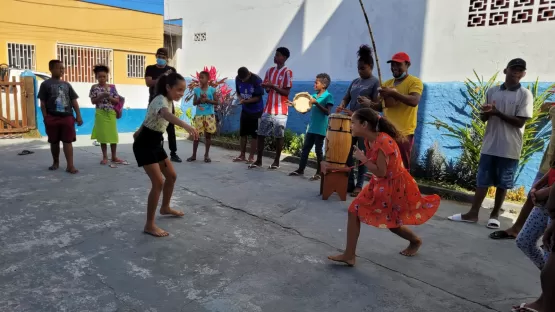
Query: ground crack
[[289, 228]]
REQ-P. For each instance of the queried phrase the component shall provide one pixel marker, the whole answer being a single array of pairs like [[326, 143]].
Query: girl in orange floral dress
[[392, 199]]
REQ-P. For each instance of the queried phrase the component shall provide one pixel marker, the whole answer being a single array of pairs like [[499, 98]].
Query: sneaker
[[175, 158]]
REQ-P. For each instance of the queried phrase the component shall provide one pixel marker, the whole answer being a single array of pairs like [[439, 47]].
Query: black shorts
[[149, 147], [249, 124]]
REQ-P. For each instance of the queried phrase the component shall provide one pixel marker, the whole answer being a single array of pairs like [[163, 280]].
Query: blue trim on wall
[[130, 121], [445, 100]]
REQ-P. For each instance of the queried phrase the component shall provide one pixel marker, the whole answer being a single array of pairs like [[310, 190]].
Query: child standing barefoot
[[149, 148], [392, 199], [205, 120]]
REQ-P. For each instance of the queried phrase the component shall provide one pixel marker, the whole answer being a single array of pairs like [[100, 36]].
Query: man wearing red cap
[[400, 106]]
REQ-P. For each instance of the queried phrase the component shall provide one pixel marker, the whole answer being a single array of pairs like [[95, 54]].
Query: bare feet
[[104, 161], [72, 170], [343, 259], [155, 231], [54, 166], [168, 211], [412, 249]]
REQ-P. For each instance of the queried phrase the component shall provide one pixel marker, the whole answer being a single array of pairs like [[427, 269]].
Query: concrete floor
[[251, 240]]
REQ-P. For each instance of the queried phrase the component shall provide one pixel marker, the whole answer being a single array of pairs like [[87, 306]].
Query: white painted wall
[[323, 36], [452, 49], [136, 96]]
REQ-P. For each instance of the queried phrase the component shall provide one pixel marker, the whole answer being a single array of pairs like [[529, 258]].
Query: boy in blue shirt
[[248, 87], [322, 102], [205, 120]]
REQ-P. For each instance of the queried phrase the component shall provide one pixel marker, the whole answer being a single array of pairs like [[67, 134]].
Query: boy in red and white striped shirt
[[277, 82]]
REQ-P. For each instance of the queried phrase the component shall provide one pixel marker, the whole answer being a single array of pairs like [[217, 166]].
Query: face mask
[[161, 62], [403, 75]]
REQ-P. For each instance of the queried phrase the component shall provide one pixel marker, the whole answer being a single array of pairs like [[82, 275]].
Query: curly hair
[[101, 69], [365, 55]]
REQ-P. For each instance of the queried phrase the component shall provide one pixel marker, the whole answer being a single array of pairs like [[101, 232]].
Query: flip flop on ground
[[25, 152], [120, 162], [501, 235], [458, 218]]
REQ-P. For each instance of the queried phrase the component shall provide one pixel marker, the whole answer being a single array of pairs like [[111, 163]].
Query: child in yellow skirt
[[392, 199], [205, 120]]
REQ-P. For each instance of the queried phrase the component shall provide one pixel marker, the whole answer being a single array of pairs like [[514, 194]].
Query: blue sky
[[150, 6]]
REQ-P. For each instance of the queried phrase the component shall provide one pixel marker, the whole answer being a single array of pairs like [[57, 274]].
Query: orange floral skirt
[[393, 202]]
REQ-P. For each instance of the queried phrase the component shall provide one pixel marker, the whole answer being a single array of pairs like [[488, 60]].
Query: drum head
[[301, 102], [340, 116]]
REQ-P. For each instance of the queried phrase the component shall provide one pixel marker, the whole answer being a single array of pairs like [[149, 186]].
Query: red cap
[[400, 58]]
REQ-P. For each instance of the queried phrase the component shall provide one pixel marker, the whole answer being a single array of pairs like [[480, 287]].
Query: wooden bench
[[334, 179]]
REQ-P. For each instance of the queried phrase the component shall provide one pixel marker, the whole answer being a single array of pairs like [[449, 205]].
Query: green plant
[[515, 195], [295, 147], [464, 170], [534, 138], [188, 114], [432, 166]]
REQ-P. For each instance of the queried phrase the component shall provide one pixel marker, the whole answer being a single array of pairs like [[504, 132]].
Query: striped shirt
[[283, 78]]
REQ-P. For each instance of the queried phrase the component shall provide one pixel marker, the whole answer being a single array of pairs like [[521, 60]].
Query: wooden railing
[[17, 105]]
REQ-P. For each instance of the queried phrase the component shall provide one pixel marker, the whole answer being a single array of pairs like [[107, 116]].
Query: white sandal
[[458, 218], [493, 224]]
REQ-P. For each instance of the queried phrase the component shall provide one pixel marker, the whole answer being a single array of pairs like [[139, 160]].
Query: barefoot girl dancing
[[149, 148], [391, 200]]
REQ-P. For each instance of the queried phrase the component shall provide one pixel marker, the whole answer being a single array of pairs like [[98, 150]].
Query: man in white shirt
[[506, 111]]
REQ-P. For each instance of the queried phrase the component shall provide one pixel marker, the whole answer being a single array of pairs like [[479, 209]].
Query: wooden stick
[[373, 42]]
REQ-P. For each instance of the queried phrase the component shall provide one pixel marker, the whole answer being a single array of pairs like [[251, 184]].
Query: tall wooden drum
[[338, 140]]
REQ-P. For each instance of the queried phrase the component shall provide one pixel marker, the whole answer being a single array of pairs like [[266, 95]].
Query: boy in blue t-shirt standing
[[322, 102], [205, 120], [249, 93]]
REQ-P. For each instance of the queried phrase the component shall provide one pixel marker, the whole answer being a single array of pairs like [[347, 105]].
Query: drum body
[[338, 140]]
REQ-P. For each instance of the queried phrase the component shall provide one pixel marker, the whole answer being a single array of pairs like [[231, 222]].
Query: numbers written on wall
[[506, 12], [200, 36]]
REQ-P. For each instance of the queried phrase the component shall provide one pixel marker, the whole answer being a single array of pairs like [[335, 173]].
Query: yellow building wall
[[44, 23]]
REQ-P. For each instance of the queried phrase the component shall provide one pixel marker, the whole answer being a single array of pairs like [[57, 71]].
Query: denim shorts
[[496, 171]]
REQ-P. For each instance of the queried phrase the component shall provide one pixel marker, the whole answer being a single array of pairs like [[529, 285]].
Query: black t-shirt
[[155, 72], [58, 96]]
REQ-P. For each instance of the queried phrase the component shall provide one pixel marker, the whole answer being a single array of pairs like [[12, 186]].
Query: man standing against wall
[[401, 97], [152, 73], [506, 111], [277, 82]]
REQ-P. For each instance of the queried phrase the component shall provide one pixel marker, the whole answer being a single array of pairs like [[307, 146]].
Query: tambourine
[[301, 102]]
